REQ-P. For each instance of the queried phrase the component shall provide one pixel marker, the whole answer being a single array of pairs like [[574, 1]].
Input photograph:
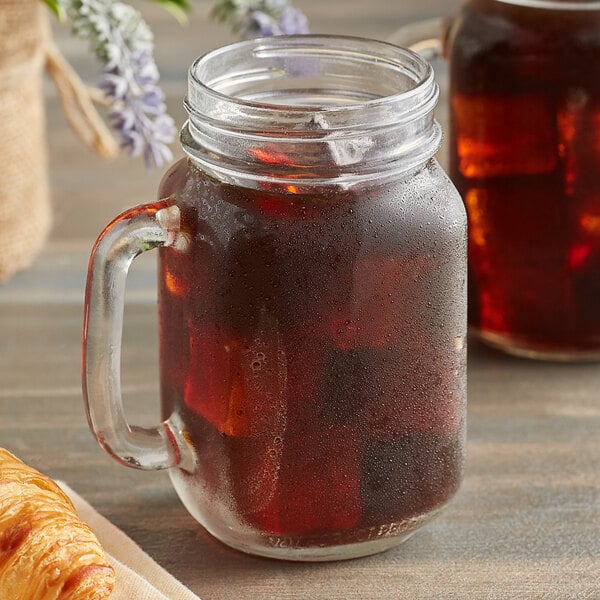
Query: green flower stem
[[56, 7]]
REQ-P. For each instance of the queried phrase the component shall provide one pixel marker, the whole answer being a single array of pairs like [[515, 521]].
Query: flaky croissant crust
[[46, 551]]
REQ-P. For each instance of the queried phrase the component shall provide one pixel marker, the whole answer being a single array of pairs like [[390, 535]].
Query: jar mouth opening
[[265, 63]]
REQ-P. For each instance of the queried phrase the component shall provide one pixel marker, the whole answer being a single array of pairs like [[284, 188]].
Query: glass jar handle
[[423, 37], [133, 232]]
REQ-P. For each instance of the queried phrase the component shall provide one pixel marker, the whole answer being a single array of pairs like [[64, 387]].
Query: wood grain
[[526, 523]]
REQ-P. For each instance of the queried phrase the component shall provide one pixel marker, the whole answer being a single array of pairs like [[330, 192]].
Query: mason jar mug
[[311, 298]]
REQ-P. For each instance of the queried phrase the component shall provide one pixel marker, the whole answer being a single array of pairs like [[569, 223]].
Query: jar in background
[[525, 106], [524, 146]]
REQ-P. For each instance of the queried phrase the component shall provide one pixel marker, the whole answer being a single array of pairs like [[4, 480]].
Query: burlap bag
[[26, 49], [25, 213]]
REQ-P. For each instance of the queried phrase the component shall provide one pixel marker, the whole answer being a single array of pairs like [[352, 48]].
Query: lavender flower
[[253, 18], [259, 23], [293, 21], [123, 43]]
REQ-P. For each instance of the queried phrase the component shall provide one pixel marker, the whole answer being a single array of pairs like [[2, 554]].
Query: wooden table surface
[[526, 522]]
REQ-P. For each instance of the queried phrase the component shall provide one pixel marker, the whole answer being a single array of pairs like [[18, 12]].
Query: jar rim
[[311, 107], [422, 71]]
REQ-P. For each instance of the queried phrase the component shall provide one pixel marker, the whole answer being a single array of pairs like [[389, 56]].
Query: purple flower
[[123, 43], [260, 24], [142, 62], [164, 128], [113, 86], [153, 100], [131, 141], [293, 21], [139, 113], [289, 21], [261, 18]]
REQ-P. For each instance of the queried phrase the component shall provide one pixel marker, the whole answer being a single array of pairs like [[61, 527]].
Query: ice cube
[[238, 384], [579, 143], [345, 385], [408, 475], [415, 392], [504, 135], [519, 254], [388, 302], [319, 481], [343, 148]]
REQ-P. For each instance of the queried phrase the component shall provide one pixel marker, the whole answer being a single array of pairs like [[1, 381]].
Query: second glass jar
[[525, 154]]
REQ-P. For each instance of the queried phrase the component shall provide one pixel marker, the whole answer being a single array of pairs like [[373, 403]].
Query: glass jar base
[[526, 349], [306, 549]]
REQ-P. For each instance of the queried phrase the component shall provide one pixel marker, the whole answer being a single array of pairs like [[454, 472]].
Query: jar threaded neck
[[311, 108]]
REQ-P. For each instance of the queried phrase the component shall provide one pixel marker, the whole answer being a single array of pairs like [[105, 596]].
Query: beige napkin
[[138, 576]]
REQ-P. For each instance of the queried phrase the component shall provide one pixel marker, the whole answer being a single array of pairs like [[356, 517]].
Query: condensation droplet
[[459, 342]]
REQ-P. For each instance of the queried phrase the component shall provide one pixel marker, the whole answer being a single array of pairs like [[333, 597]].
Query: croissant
[[46, 551]]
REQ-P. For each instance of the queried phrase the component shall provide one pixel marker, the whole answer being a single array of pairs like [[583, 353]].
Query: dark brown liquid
[[301, 344], [525, 146]]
